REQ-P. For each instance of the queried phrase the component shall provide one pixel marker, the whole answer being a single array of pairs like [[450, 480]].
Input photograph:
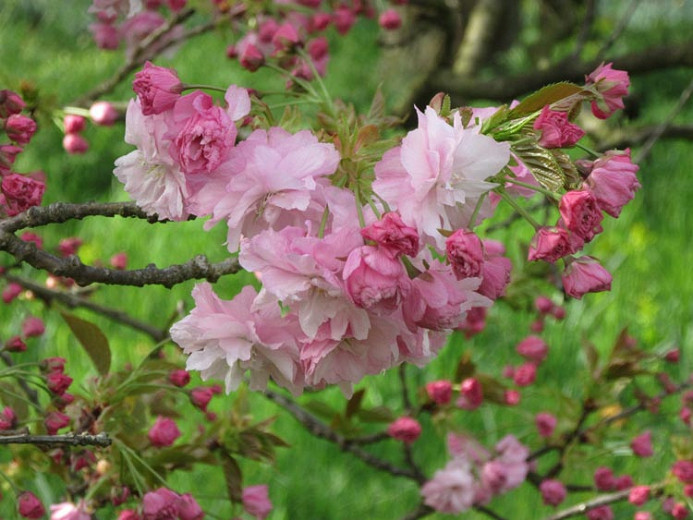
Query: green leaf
[[542, 164], [322, 410], [571, 177], [465, 368], [92, 339], [378, 414], [545, 96], [233, 477], [592, 357], [499, 117], [354, 404]]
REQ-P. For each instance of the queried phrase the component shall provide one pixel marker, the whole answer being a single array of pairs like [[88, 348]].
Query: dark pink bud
[[119, 261], [189, 509], [318, 49], [440, 392], [75, 144], [267, 29], [161, 504], [53, 364], [465, 253], [685, 415], [20, 129], [393, 235], [286, 37], [105, 35], [28, 236], [390, 20], [201, 397], [54, 421], [320, 22], [551, 243], [683, 470], [612, 181], [688, 490], [471, 394], [537, 326], [600, 513], [405, 429], [581, 214], [251, 58], [179, 378], [585, 275], [58, 383], [623, 482], [164, 432], [69, 246], [525, 374], [639, 495], [546, 423], [10, 103], [175, 6], [256, 501], [15, 344], [611, 86], [8, 154], [29, 506], [604, 479], [343, 18], [21, 193], [553, 492], [533, 348], [556, 130], [673, 355], [129, 514], [33, 327], [474, 322], [313, 4], [679, 511], [642, 444], [119, 495], [10, 292], [543, 304], [73, 124], [86, 459], [103, 113], [512, 397], [8, 419], [559, 312], [157, 88]]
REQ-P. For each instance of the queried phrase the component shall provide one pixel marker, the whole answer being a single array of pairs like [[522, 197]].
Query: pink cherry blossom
[[553, 492], [58, 383], [179, 378], [10, 292], [683, 470], [551, 243], [465, 253], [106, 35], [556, 130], [8, 419], [161, 504], [70, 511], [157, 88], [585, 275], [495, 271], [21, 192], [611, 86], [150, 174], [525, 374], [73, 124], [440, 392], [33, 327], [256, 501], [581, 214], [29, 506], [54, 421], [404, 429], [75, 144], [680, 511], [393, 235], [604, 479], [164, 432], [612, 181], [452, 489]]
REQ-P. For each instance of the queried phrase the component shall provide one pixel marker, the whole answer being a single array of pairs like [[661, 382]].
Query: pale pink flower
[[452, 489], [612, 181], [256, 501], [642, 444], [546, 423], [533, 348], [70, 511], [581, 214], [374, 280], [611, 86], [553, 492], [512, 454], [440, 392], [585, 275], [164, 432], [225, 338], [556, 130], [157, 88], [405, 429], [149, 173], [436, 177], [275, 182]]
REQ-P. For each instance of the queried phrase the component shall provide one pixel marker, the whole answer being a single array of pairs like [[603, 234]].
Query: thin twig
[[603, 500], [72, 301], [68, 439], [618, 31], [585, 28], [647, 147], [318, 429], [30, 392]]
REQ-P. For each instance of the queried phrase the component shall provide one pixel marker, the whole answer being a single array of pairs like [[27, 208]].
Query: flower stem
[[507, 198], [187, 86], [534, 187], [589, 150], [477, 209]]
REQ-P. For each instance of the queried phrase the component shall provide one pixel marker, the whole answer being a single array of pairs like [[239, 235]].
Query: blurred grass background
[[648, 250]]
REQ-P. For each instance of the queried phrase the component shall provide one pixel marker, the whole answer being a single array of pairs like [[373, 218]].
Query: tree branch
[[318, 429], [505, 88], [68, 439], [627, 137], [603, 500], [72, 301], [618, 31]]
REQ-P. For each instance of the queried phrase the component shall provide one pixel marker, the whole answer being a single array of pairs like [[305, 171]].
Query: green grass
[[647, 249]]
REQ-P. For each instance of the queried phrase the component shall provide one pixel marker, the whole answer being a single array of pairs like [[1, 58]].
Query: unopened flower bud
[[405, 429]]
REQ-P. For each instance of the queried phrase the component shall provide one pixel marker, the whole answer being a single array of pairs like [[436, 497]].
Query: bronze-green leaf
[[92, 339], [545, 96], [542, 164], [233, 476]]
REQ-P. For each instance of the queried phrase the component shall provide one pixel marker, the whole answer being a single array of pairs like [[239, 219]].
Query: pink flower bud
[[553, 492], [20, 129], [679, 511], [28, 236], [390, 20], [405, 429], [393, 235], [8, 154], [161, 503], [642, 515], [471, 394], [533, 348], [175, 6], [10, 103], [465, 253], [313, 4], [33, 327], [639, 495], [558, 312], [10, 292], [525, 374], [21, 192], [512, 397], [103, 113], [343, 18], [201, 397], [54, 421], [673, 355], [600, 513], [611, 85], [164, 432], [157, 88], [286, 37], [73, 124], [69, 246], [685, 415], [251, 58], [495, 272], [440, 392], [189, 509], [543, 304], [581, 214], [612, 181], [556, 130], [53, 364], [75, 144], [642, 444], [129, 514], [105, 35], [546, 423], [179, 378], [58, 383], [15, 344], [604, 479], [320, 22], [256, 501], [623, 482], [585, 275], [688, 490], [119, 261], [537, 326], [119, 495], [474, 322], [683, 470], [318, 49], [551, 243], [8, 419], [29, 506]]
